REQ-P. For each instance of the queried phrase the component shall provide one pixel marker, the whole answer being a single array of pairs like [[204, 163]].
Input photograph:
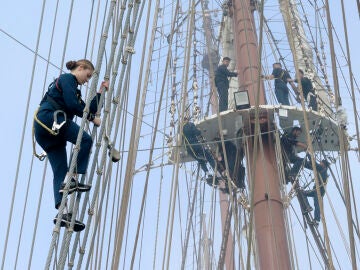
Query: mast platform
[[238, 122]]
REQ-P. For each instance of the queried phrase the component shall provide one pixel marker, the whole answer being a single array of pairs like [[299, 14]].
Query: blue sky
[[21, 21]]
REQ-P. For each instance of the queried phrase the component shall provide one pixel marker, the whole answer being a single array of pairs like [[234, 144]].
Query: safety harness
[[55, 129]]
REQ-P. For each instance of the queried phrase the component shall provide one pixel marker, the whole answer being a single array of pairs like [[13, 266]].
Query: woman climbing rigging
[[54, 126]]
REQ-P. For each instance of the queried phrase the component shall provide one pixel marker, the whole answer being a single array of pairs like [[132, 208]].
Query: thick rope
[[311, 151], [350, 74], [125, 56], [77, 147], [342, 139], [180, 123], [107, 109]]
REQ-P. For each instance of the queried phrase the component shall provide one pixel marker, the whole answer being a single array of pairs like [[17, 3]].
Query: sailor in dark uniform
[[222, 83], [195, 148], [61, 103], [281, 77], [308, 90], [322, 170], [234, 159], [289, 142]]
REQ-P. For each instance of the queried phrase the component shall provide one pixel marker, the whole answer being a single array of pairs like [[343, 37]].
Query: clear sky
[[20, 19]]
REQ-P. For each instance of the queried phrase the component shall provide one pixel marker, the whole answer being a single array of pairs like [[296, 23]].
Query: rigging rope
[[350, 73], [311, 150], [343, 153], [76, 148], [23, 136]]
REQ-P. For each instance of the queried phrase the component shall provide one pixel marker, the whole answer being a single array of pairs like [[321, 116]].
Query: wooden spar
[[270, 233]]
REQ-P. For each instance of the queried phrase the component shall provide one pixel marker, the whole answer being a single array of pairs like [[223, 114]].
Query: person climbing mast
[[54, 126], [322, 170], [222, 83]]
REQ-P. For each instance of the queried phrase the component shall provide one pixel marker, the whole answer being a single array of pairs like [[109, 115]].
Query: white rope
[[77, 147]]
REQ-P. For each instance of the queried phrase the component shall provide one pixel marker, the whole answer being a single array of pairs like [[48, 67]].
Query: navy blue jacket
[[67, 96], [281, 76], [64, 95], [288, 141], [307, 86], [221, 76], [190, 131]]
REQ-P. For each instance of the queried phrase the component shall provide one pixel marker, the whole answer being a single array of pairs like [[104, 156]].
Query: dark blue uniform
[[322, 177], [308, 92], [222, 85], [194, 148], [288, 143], [63, 95], [234, 159], [281, 90]]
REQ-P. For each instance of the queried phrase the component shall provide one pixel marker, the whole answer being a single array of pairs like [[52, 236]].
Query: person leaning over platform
[[61, 103], [308, 90], [194, 147], [222, 83], [281, 77]]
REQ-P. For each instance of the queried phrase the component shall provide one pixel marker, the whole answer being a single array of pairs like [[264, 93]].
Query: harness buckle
[[41, 156], [56, 126]]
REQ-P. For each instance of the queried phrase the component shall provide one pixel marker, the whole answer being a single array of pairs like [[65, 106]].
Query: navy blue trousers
[[297, 162], [55, 147], [282, 95], [314, 195], [223, 97]]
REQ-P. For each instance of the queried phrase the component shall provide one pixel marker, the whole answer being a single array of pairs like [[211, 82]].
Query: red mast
[[270, 233]]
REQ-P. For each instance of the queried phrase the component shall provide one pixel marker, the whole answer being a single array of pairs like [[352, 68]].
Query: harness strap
[[281, 75], [57, 85], [52, 132], [41, 156]]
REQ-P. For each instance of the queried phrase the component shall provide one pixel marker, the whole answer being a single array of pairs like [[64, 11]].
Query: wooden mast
[[270, 234]]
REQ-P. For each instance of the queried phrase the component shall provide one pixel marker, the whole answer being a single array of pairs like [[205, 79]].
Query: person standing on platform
[[282, 77], [222, 83], [308, 90]]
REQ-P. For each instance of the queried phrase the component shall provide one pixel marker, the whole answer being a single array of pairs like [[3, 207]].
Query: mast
[[270, 233]]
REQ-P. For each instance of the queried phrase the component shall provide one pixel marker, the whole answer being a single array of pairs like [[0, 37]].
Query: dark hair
[[296, 129], [301, 71], [226, 58], [71, 65], [326, 163], [277, 63]]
